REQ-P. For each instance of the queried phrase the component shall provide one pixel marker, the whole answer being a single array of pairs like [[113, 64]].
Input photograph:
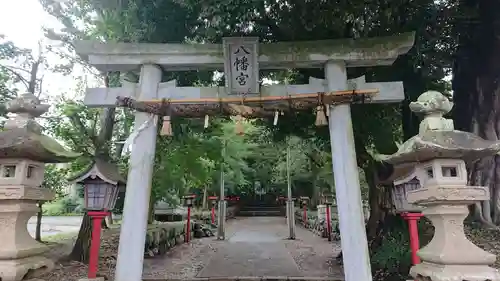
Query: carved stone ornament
[[438, 157]]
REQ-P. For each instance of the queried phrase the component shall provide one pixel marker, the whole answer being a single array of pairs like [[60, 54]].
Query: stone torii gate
[[332, 55]]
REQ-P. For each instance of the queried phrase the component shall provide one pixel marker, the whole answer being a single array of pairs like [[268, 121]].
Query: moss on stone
[[367, 46], [55, 148]]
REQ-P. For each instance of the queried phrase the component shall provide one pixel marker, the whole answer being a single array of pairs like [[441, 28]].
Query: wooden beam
[[282, 55], [258, 99], [250, 107]]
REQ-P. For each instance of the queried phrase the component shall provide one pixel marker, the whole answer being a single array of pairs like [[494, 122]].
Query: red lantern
[[102, 183]]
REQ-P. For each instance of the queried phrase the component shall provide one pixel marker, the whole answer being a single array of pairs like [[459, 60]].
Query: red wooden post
[[412, 219], [188, 225], [328, 223], [97, 218], [213, 200], [188, 201]]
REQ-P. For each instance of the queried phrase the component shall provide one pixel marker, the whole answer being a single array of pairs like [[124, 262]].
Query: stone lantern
[[24, 150], [438, 156]]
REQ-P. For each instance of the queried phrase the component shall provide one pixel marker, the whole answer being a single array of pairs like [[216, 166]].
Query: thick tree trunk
[[81, 249], [38, 230], [476, 87], [151, 213], [380, 202]]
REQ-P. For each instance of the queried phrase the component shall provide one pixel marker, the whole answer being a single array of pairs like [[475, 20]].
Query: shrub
[[63, 206]]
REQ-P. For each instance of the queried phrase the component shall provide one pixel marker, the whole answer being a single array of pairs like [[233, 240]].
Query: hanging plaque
[[241, 67]]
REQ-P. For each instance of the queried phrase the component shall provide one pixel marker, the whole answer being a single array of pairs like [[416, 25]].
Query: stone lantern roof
[[22, 136], [436, 139], [106, 171]]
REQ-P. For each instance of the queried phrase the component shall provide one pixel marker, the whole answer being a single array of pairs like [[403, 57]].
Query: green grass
[[60, 236], [68, 235]]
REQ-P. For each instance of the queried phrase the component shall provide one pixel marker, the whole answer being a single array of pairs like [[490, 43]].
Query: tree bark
[[38, 231], [81, 249], [476, 73]]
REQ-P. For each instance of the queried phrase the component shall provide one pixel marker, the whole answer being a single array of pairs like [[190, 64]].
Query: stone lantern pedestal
[[23, 154], [445, 197], [18, 198]]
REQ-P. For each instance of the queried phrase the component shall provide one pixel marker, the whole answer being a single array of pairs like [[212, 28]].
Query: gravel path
[[315, 256], [255, 246]]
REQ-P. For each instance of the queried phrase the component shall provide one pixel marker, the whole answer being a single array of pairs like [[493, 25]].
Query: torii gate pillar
[[135, 212], [347, 188]]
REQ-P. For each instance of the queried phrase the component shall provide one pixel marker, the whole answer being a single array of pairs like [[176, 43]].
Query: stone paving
[[255, 247]]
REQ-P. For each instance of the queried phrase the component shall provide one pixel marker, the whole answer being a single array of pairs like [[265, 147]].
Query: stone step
[[249, 278], [261, 214]]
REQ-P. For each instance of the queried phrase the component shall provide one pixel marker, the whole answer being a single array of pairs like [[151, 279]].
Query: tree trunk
[[151, 213], [205, 199], [81, 250], [38, 231], [380, 202], [104, 224], [476, 73], [110, 218], [315, 186]]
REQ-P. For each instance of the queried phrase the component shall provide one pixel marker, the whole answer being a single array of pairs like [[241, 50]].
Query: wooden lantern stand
[[188, 201], [95, 245], [412, 219]]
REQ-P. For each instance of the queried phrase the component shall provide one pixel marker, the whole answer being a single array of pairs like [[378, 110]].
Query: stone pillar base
[[27, 268], [437, 272]]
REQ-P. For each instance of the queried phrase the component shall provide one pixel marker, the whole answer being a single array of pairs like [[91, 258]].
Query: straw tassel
[[206, 122], [320, 116], [166, 128], [276, 115], [239, 125]]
